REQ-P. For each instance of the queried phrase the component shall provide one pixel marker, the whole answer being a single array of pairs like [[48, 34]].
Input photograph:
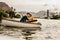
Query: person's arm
[[31, 18]]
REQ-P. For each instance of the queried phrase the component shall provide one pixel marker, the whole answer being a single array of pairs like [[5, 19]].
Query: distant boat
[[15, 23]]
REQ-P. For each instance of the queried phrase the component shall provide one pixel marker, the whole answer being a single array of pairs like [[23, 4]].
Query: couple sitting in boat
[[29, 19]]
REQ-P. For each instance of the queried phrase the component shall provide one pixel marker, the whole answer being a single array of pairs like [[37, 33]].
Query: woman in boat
[[31, 19], [28, 18]]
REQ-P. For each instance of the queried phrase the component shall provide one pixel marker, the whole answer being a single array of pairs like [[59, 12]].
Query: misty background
[[33, 5]]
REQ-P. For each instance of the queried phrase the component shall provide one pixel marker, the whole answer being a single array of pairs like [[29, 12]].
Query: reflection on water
[[14, 32], [50, 30], [45, 34]]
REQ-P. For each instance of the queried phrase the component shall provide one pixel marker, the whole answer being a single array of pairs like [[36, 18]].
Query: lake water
[[50, 31]]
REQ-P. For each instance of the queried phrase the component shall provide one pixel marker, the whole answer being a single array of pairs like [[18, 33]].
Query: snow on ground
[[50, 31]]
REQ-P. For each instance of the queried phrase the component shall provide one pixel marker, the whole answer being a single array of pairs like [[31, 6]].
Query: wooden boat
[[15, 23]]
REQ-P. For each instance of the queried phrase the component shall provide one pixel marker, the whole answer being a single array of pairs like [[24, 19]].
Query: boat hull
[[18, 24], [23, 26]]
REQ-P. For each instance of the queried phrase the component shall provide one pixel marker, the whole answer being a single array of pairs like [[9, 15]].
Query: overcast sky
[[33, 5]]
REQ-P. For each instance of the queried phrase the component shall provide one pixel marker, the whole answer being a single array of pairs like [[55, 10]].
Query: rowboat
[[15, 23]]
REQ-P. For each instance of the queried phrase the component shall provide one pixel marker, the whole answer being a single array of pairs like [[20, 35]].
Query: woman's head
[[29, 15]]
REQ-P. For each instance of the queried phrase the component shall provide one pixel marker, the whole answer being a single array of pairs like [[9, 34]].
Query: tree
[[17, 16], [55, 17], [3, 13]]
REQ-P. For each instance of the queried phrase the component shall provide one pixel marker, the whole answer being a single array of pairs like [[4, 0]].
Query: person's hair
[[29, 14]]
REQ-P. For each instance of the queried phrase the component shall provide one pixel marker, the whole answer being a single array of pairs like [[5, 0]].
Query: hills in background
[[4, 6], [39, 14]]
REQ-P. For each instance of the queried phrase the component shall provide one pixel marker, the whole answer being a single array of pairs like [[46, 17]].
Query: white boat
[[13, 23]]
